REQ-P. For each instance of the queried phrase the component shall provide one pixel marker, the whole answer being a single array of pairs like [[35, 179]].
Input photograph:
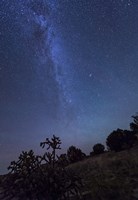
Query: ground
[[110, 175]]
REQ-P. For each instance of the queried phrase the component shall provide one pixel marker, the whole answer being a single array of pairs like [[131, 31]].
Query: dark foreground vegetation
[[40, 177], [103, 175]]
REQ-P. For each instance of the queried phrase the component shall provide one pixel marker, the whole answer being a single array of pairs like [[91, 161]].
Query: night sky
[[67, 67]]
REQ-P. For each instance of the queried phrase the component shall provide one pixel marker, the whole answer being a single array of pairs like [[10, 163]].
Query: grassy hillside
[[110, 175]]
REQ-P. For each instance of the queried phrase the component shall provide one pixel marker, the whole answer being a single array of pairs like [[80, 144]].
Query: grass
[[110, 175]]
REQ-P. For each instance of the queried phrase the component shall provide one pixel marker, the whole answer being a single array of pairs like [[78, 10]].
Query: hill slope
[[110, 175]]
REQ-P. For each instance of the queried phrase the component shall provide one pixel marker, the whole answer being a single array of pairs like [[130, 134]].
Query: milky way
[[67, 67], [36, 29]]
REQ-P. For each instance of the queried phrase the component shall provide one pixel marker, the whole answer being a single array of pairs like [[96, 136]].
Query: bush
[[134, 124], [40, 177], [120, 139], [74, 154], [23, 179], [98, 148]]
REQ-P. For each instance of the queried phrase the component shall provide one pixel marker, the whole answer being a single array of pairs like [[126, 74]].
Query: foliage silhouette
[[53, 144], [98, 148], [41, 177], [134, 124], [23, 177], [74, 154], [120, 139]]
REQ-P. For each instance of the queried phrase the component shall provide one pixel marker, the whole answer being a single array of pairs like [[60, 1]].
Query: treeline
[[117, 140], [48, 176], [120, 139]]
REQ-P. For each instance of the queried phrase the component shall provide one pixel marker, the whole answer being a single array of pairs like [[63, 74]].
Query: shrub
[[134, 124], [74, 154], [98, 148], [40, 177], [22, 181], [120, 139]]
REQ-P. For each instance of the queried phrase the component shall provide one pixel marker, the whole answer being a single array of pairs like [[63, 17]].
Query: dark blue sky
[[68, 67]]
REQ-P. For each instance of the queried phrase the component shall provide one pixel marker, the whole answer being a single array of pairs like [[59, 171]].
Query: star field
[[68, 67]]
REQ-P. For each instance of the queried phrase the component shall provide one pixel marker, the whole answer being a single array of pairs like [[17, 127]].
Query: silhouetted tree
[[74, 154], [98, 148], [134, 124], [53, 144], [61, 184], [120, 139]]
